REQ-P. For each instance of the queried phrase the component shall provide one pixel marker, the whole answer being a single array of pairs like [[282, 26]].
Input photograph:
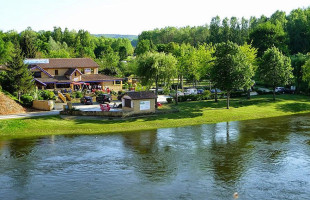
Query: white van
[[190, 91]]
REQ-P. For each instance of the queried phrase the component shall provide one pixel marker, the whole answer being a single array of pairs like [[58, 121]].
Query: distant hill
[[130, 37]]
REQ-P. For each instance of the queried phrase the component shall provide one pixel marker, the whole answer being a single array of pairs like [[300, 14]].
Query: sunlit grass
[[190, 113]]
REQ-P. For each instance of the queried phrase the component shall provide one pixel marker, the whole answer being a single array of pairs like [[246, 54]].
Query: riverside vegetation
[[190, 113]]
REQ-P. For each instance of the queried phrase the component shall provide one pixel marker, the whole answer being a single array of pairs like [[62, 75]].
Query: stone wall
[[43, 104]]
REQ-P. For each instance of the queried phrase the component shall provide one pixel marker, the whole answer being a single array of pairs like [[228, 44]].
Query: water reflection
[[150, 158], [261, 159]]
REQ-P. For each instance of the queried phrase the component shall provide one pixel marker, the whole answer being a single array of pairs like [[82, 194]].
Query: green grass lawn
[[191, 113]]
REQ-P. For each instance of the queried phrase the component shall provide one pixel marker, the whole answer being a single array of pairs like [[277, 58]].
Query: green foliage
[[79, 94], [18, 78], [233, 67], [46, 95], [169, 100], [298, 61], [156, 68], [275, 68], [27, 43], [26, 100]]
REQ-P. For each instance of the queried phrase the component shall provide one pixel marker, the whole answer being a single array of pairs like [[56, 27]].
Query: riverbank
[[190, 113]]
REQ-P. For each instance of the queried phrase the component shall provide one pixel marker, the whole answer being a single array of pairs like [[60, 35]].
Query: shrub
[[47, 95], [169, 100], [26, 100], [97, 92], [206, 95], [79, 94], [166, 91]]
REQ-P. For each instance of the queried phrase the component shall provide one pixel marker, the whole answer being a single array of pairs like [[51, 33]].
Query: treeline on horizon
[[116, 56]]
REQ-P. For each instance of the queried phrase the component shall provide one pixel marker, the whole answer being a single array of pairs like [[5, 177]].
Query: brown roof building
[[67, 72], [139, 102]]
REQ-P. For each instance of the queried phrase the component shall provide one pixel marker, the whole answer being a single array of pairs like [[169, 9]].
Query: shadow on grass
[[294, 107]]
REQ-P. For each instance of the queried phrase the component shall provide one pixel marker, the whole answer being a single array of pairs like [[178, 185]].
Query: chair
[[105, 107]]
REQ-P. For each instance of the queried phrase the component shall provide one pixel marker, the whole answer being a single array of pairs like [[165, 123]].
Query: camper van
[[190, 91]]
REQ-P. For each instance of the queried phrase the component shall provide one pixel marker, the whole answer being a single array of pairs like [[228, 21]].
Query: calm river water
[[259, 159]]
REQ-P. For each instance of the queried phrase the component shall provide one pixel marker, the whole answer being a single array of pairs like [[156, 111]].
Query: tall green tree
[[18, 78], [155, 68], [28, 43], [267, 35], [232, 68], [298, 60], [275, 69]]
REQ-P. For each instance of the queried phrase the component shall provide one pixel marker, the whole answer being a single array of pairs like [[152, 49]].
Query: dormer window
[[74, 73]]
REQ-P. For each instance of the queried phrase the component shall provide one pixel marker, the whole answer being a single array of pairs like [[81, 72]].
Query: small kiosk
[[139, 102]]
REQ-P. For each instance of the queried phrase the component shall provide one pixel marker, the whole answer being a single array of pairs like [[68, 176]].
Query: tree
[[155, 68], [232, 68], [306, 72], [298, 61], [267, 35], [28, 43], [275, 68], [18, 78]]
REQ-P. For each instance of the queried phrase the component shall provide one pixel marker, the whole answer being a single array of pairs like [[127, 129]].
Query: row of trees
[[289, 33], [228, 65], [107, 52]]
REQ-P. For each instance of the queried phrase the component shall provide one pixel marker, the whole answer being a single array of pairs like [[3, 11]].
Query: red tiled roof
[[68, 63]]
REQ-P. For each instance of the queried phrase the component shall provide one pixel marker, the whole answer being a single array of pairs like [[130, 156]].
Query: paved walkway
[[32, 114]]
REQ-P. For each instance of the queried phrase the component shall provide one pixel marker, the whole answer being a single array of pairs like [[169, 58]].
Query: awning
[[77, 83]]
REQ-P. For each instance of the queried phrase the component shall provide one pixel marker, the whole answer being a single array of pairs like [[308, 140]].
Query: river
[[258, 159]]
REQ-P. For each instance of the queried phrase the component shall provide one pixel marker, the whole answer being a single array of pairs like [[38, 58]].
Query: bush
[[79, 94], [169, 100], [47, 95], [206, 95], [26, 100], [97, 92]]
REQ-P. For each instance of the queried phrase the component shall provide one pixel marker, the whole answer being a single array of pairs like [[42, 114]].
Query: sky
[[131, 16]]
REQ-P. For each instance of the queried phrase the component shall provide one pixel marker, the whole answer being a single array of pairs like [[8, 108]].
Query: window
[[128, 103], [74, 73], [37, 74], [56, 72], [118, 82], [92, 70]]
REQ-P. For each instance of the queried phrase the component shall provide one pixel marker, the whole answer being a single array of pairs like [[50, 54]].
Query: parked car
[[102, 98], [190, 91], [279, 89], [288, 91], [87, 100], [217, 90], [200, 91], [179, 94]]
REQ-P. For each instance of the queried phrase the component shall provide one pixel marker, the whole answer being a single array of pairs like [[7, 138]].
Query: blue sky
[[130, 16]]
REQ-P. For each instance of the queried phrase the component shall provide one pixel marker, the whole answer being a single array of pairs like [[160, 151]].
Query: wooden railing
[[62, 97], [68, 96]]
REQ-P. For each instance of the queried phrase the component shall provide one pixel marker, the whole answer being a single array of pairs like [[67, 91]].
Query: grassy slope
[[191, 113]]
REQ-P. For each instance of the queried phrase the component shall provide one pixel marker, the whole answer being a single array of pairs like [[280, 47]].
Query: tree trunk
[[176, 94], [249, 93], [181, 79], [228, 94], [156, 91], [274, 93]]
